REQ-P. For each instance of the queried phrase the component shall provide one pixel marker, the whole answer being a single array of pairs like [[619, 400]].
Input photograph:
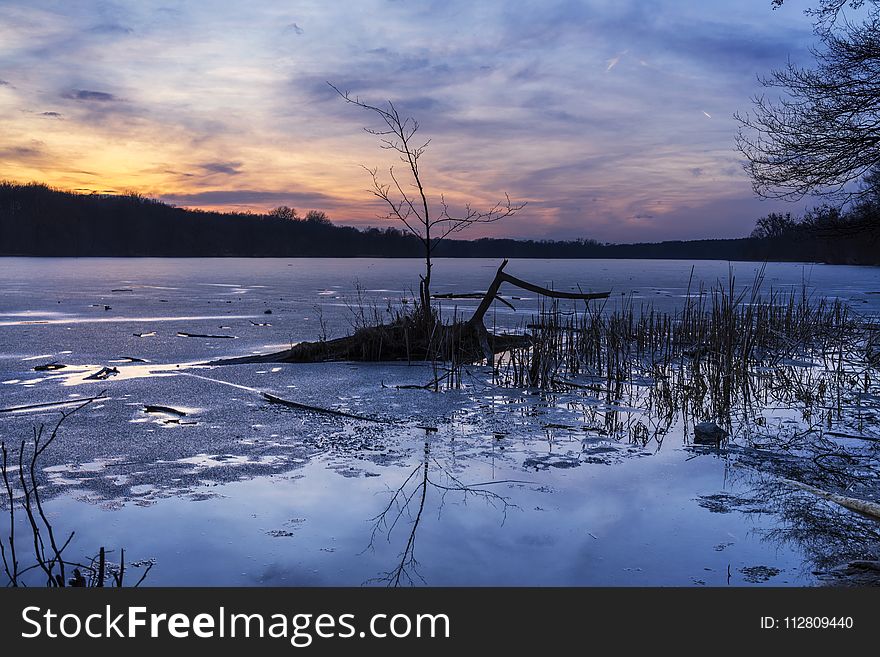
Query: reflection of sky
[[612, 119]]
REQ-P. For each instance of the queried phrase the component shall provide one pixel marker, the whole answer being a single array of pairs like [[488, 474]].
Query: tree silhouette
[[773, 225], [407, 202], [317, 217], [823, 133], [284, 212]]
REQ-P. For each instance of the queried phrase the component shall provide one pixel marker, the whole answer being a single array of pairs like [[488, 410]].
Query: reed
[[728, 350]]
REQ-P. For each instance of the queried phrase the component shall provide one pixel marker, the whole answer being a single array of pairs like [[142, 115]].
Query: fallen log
[[153, 408], [855, 436], [318, 409], [390, 342], [66, 402], [411, 337], [870, 509], [50, 367], [476, 321]]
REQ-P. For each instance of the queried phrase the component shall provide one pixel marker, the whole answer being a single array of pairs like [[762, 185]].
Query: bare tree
[[822, 134], [284, 212], [405, 198], [827, 12], [774, 225], [317, 217]]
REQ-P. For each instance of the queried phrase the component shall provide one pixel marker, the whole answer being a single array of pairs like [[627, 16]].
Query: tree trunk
[[425, 283]]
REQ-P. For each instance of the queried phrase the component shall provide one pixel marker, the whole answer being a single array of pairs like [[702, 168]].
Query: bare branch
[[413, 209], [452, 224], [822, 134]]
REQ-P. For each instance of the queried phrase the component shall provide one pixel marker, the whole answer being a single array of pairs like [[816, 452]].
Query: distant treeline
[[36, 220]]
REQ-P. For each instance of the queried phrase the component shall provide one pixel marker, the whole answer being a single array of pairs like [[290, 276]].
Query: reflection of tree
[[48, 551], [409, 501], [830, 536]]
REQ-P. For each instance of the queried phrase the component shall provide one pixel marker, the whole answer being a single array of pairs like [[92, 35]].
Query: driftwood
[[319, 409], [855, 436], [50, 367], [102, 374], [152, 408], [410, 337], [870, 509], [66, 402], [392, 342]]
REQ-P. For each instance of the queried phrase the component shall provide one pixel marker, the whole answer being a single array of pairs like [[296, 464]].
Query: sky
[[612, 119]]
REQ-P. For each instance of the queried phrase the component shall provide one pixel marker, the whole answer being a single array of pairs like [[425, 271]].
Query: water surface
[[519, 488]]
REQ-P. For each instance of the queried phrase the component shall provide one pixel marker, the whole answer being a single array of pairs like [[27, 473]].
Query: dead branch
[[503, 277], [47, 549], [871, 509], [854, 436], [67, 402], [152, 408], [471, 295], [319, 409], [102, 374]]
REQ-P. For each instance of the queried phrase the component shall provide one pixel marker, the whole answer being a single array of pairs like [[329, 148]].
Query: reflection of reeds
[[21, 485], [788, 374]]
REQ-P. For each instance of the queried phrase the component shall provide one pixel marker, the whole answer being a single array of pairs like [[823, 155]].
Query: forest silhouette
[[37, 220]]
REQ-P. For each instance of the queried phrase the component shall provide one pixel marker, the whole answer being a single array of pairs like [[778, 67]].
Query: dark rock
[[855, 573], [708, 433]]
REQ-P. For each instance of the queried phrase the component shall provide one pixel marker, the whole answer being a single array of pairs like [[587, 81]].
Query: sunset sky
[[611, 118]]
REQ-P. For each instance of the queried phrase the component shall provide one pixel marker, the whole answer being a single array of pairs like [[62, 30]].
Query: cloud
[[20, 152], [87, 95], [228, 168], [32, 154], [4, 83], [251, 198], [111, 28], [588, 109]]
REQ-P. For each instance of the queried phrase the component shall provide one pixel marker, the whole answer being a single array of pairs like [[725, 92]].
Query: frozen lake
[[513, 487]]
